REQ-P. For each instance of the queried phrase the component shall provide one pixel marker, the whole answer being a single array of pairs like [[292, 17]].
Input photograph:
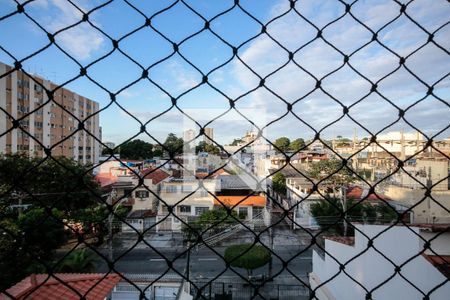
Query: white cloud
[[81, 41], [375, 62]]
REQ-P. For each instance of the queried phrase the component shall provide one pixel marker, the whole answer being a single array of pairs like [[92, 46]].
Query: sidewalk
[[157, 240]]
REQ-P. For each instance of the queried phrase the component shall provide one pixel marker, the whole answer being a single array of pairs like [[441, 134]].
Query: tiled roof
[[357, 193], [156, 175], [346, 240], [42, 287], [238, 200]]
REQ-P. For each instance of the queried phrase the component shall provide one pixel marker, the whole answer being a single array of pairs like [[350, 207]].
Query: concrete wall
[[428, 208], [370, 269]]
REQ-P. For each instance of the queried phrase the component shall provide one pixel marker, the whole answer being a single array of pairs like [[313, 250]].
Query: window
[[184, 209], [257, 212], [23, 83], [171, 189], [243, 212], [187, 188], [142, 194], [200, 210], [38, 88]]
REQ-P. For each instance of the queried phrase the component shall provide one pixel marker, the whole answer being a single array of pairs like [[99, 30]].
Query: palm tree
[[80, 260]]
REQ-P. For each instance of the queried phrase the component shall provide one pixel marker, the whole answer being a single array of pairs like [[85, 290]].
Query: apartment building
[[54, 124]]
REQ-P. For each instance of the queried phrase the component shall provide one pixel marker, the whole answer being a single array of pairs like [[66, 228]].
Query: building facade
[[54, 124], [426, 269]]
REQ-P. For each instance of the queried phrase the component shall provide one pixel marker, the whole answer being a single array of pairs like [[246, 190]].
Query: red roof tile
[[42, 286], [357, 193], [346, 240], [156, 175]]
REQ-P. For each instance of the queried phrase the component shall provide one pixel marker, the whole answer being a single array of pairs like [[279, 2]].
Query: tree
[[14, 260], [329, 213], [297, 144], [218, 219], [107, 151], [43, 231], [236, 142], [35, 234], [247, 256], [173, 144], [332, 171], [279, 183], [157, 151], [136, 149], [78, 261], [205, 147], [282, 143], [58, 190]]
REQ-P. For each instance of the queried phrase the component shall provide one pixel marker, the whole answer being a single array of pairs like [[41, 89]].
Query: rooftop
[[43, 286], [346, 240], [441, 262], [233, 182], [239, 201], [156, 175]]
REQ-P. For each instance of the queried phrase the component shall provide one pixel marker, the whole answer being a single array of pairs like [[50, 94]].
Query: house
[[128, 191], [75, 286], [241, 194], [186, 201], [421, 270], [154, 286], [248, 208], [139, 220]]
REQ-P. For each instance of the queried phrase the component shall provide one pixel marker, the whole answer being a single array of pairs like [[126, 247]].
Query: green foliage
[[79, 261], [157, 151], [107, 151], [331, 171], [236, 142], [13, 259], [282, 143], [279, 183], [329, 213], [297, 144], [136, 149], [205, 147], [247, 256], [59, 182], [218, 218], [34, 234], [43, 232], [173, 144]]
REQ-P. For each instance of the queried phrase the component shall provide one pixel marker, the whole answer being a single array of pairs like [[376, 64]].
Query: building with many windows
[[51, 124]]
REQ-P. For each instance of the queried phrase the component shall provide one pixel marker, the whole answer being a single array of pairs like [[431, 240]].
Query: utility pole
[[188, 261], [344, 207], [110, 201]]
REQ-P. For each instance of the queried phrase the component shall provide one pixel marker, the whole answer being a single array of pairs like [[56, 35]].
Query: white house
[[179, 194], [426, 270]]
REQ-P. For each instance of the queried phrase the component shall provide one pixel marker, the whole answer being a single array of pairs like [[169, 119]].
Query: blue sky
[[144, 100]]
